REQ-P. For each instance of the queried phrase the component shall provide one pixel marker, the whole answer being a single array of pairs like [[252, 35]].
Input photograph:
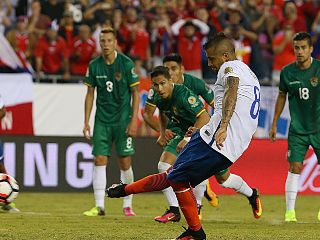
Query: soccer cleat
[[168, 216], [211, 196], [190, 234], [255, 203], [11, 208], [199, 207], [290, 216], [95, 211], [128, 212], [116, 191]]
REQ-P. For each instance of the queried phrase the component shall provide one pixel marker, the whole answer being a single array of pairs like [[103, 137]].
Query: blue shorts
[[197, 162], [1, 152]]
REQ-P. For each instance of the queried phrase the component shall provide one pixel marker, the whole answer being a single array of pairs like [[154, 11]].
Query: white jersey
[[1, 102], [244, 120]]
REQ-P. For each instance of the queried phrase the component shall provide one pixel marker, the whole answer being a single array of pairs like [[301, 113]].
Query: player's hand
[[168, 134], [181, 145], [132, 128], [190, 131], [273, 133], [220, 137], [86, 131], [161, 140]]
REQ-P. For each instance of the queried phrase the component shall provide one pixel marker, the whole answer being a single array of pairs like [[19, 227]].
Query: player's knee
[[296, 167], [100, 160], [163, 166]]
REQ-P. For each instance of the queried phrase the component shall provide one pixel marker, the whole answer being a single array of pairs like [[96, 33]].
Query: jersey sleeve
[[151, 101], [133, 79], [90, 79], [192, 104], [229, 70], [282, 84], [205, 91]]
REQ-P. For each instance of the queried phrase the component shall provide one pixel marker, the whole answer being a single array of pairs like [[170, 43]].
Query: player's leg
[[297, 148], [199, 194], [235, 182], [167, 158], [125, 149], [196, 162], [102, 140], [11, 207]]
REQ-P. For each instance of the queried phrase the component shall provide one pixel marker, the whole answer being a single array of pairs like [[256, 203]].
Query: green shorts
[[105, 135], [299, 144], [171, 146]]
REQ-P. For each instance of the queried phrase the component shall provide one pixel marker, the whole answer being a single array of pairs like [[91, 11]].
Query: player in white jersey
[[6, 207], [218, 144]]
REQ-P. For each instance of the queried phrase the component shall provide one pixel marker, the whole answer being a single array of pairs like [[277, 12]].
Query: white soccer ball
[[9, 188]]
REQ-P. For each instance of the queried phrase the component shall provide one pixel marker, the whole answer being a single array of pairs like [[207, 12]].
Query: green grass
[[58, 216]]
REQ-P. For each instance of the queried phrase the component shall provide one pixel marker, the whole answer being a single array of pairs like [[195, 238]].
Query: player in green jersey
[[300, 81], [112, 74], [179, 108]]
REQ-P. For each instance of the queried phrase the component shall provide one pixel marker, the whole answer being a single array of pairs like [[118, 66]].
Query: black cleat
[[116, 191], [255, 203], [190, 234]]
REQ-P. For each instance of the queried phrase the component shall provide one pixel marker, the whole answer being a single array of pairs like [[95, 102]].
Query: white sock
[[199, 191], [126, 177], [168, 192], [292, 184], [99, 185], [238, 184]]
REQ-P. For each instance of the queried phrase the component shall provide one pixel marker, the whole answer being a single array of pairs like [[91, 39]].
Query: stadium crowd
[[60, 37]]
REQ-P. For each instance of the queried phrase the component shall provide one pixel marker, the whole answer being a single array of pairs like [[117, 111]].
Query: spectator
[[291, 17], [83, 50], [283, 51], [51, 54], [53, 8], [5, 11], [99, 11], [67, 29], [189, 43], [38, 22], [138, 67], [21, 41]]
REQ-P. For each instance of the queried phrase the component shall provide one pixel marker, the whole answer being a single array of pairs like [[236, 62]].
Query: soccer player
[[300, 80], [170, 138], [218, 144], [6, 207], [113, 76]]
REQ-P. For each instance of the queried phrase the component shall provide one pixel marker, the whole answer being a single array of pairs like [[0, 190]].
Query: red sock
[[188, 204], [151, 183]]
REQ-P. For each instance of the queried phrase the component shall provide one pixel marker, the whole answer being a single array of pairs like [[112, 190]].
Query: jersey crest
[[150, 94], [314, 81], [192, 100], [228, 70], [117, 76]]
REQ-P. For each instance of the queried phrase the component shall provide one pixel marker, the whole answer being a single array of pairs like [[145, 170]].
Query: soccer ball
[[9, 188]]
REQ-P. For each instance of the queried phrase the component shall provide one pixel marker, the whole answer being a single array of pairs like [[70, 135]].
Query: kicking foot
[[116, 191], [211, 196], [255, 203]]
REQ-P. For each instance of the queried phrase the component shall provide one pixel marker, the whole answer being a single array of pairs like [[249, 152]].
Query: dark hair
[[160, 71], [303, 36], [173, 57], [217, 39]]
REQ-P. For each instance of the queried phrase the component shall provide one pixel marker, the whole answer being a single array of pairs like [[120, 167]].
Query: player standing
[[300, 80], [113, 76], [218, 144]]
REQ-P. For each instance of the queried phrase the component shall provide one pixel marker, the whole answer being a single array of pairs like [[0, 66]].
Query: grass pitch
[[58, 216]]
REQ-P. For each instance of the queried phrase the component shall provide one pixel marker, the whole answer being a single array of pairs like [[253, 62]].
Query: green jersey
[[303, 88], [113, 83], [182, 109], [196, 85]]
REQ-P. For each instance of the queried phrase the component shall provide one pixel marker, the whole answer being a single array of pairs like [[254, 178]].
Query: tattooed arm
[[228, 105]]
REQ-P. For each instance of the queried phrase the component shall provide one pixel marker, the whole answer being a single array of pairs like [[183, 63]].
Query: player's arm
[[132, 127], [228, 106], [2, 112], [149, 118], [281, 101], [88, 103]]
